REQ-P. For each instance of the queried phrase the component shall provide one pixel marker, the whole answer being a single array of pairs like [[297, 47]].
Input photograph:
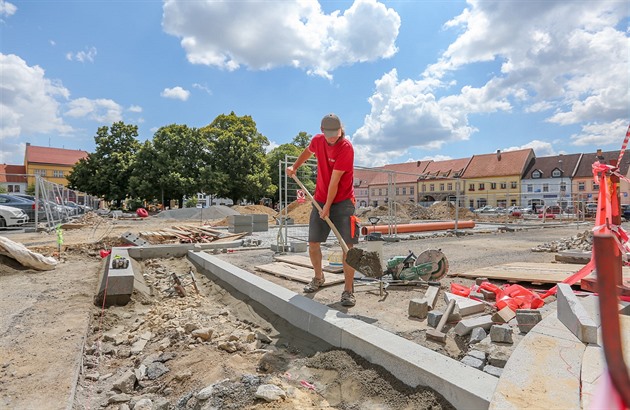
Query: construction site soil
[[215, 349]]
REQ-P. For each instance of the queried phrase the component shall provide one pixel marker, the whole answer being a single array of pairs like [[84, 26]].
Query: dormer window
[[556, 173], [536, 174]]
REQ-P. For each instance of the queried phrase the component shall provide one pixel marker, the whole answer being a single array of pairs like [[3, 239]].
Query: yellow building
[[53, 164]]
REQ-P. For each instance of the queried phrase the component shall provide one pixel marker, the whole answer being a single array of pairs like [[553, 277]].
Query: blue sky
[[410, 80]]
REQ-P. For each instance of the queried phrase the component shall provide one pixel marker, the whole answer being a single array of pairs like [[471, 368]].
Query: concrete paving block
[[524, 380], [466, 326], [115, 286], [236, 220], [472, 362], [504, 315], [415, 365], [241, 228], [498, 358], [433, 318], [488, 295], [431, 296], [574, 316], [501, 334], [479, 281], [133, 239], [477, 335], [177, 250], [466, 306], [477, 354], [593, 365], [418, 308], [527, 319], [494, 371]]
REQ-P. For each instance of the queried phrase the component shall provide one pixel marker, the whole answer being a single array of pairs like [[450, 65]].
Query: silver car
[[10, 217]]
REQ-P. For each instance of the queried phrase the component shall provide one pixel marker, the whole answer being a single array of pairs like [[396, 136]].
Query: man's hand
[[325, 212], [290, 171]]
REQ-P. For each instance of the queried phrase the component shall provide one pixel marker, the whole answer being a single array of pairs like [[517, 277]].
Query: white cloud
[[203, 87], [561, 58], [135, 108], [266, 34], [99, 110], [177, 93], [541, 148], [272, 145], [602, 134], [7, 9], [29, 103], [82, 56]]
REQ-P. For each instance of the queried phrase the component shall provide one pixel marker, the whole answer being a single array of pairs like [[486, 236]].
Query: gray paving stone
[[527, 319], [466, 326], [433, 318], [477, 354], [418, 308], [574, 316], [495, 371], [501, 334], [477, 335], [472, 362]]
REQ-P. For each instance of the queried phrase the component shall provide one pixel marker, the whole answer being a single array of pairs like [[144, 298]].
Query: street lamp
[[562, 187]]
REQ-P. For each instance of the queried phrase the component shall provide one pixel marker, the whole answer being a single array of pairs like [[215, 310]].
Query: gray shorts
[[341, 216]]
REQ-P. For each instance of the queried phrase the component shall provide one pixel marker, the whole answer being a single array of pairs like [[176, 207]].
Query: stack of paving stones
[[260, 222], [491, 337], [240, 223]]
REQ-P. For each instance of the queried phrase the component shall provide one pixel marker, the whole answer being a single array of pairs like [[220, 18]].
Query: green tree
[[277, 156], [107, 170], [238, 158], [3, 189], [169, 167], [302, 140]]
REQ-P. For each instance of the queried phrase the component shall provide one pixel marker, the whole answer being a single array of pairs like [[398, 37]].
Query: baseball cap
[[331, 125]]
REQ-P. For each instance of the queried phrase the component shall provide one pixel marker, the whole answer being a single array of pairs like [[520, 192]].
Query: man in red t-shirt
[[334, 192]]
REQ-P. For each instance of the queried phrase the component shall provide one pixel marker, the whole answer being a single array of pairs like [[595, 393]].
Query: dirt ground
[[211, 350]]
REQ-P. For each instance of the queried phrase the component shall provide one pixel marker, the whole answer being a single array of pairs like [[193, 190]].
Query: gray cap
[[331, 125]]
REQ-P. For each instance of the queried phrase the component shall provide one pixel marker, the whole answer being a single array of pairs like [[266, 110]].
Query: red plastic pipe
[[419, 227]]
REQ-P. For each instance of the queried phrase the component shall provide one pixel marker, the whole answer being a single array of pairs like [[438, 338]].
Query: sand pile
[[212, 212], [257, 209]]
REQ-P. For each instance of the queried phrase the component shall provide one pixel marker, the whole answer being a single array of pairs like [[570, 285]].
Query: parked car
[[10, 216], [24, 204], [55, 210], [484, 210], [625, 212], [554, 209], [590, 209]]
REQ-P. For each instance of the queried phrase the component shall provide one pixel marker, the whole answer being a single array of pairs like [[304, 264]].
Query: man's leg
[[315, 252], [348, 273]]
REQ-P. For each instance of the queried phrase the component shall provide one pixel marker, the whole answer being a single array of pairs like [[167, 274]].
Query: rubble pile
[[90, 218], [582, 241]]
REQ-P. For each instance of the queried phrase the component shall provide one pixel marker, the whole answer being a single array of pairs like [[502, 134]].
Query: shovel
[[368, 263]]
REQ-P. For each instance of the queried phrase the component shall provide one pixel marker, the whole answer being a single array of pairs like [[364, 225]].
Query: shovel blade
[[366, 262]]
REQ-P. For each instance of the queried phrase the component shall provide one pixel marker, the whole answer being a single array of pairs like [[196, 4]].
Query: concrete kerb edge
[[78, 365], [411, 363]]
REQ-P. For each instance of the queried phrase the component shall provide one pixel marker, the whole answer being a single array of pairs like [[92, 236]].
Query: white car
[[10, 216]]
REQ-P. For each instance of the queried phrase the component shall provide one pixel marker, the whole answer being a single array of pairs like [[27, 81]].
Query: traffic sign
[[301, 196]]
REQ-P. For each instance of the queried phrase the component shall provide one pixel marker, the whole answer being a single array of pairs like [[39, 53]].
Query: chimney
[[28, 144], [498, 155], [418, 163]]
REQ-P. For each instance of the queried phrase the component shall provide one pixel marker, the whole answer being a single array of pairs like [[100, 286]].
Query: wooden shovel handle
[[327, 219]]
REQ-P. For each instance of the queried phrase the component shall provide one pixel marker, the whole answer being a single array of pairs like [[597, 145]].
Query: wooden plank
[[294, 272], [528, 272], [302, 260]]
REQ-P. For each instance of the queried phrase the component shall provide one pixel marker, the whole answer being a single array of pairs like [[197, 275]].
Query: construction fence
[[47, 204]]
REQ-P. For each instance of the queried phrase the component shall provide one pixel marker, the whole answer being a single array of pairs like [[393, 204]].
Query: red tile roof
[[56, 156], [585, 169], [12, 173], [499, 164], [450, 168]]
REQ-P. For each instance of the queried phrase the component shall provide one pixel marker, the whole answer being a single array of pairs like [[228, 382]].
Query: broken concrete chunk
[[527, 319], [504, 315], [466, 306], [472, 362], [466, 326], [431, 296], [270, 392], [495, 371], [477, 354], [126, 382], [433, 317], [501, 334], [478, 334], [418, 308]]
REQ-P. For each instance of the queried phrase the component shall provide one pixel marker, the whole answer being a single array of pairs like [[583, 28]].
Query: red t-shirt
[[333, 157]]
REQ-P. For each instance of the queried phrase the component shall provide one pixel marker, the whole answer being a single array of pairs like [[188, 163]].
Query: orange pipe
[[418, 227]]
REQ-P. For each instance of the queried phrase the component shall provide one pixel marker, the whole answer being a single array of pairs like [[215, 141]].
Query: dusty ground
[[45, 316]]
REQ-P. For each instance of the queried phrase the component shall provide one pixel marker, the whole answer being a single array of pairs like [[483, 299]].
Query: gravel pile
[[212, 212]]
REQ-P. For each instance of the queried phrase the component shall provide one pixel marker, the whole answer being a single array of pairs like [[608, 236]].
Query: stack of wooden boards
[[190, 234], [299, 268]]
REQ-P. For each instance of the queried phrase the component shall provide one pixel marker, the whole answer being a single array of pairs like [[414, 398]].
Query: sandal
[[314, 285], [348, 299]]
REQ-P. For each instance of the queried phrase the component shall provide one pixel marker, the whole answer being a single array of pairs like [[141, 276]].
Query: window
[[563, 186], [471, 187], [530, 188], [380, 192], [424, 188], [556, 173], [595, 187], [581, 186], [513, 185], [482, 186], [545, 187], [441, 187], [411, 191], [503, 185], [536, 174], [57, 174], [404, 191], [397, 191], [373, 191], [431, 187], [40, 172], [449, 186], [493, 185]]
